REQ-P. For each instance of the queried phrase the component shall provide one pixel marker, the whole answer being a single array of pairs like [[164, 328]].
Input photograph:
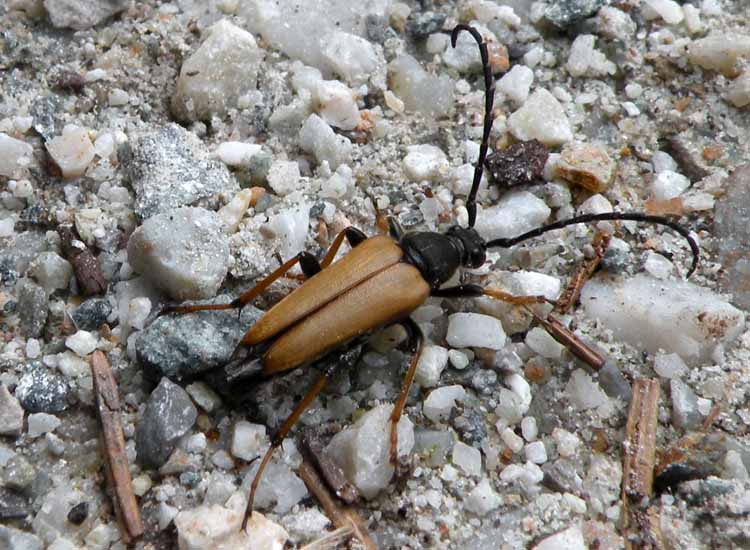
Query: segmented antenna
[[607, 216], [489, 97]]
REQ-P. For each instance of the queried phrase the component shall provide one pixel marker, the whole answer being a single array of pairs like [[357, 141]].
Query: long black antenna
[[608, 216], [489, 97]]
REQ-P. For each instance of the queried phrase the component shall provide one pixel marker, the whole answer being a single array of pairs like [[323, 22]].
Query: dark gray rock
[[91, 314], [421, 25], [32, 308], [614, 383], [18, 255], [564, 13], [170, 168], [42, 390], [182, 346], [18, 474], [169, 415]]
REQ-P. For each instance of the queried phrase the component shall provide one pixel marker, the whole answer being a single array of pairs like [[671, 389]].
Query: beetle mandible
[[381, 281]]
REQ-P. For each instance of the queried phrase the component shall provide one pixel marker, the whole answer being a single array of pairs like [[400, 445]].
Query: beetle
[[381, 281]]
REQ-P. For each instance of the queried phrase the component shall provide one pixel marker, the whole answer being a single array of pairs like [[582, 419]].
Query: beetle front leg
[[416, 339]]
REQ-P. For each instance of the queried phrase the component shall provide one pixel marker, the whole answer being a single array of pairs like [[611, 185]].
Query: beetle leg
[[353, 236], [348, 358], [247, 296], [475, 291], [416, 339]]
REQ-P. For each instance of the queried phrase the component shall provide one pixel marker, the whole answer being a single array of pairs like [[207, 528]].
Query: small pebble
[[41, 423], [237, 153], [529, 428], [587, 165], [72, 151], [512, 440], [432, 363], [569, 539], [184, 252], [467, 458], [248, 440], [82, 342], [475, 330], [438, 405], [535, 452], [482, 499], [567, 443], [668, 185], [541, 117], [11, 413]]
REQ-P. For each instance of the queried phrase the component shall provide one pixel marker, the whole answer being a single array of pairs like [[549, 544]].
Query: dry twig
[[341, 516], [116, 461], [638, 466], [86, 266], [584, 272]]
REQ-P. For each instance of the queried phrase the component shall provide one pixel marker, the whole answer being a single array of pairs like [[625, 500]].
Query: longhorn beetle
[[381, 281]]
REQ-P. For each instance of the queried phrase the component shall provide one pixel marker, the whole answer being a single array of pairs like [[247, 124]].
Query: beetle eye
[[477, 257]]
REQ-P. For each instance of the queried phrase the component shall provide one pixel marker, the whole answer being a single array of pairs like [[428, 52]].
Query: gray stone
[[91, 314], [183, 252], [732, 224], [171, 167], [208, 84], [82, 14], [32, 308], [15, 539], [181, 346], [433, 445], [42, 390], [614, 383], [685, 414], [18, 474], [11, 413], [421, 25], [565, 13], [169, 415]]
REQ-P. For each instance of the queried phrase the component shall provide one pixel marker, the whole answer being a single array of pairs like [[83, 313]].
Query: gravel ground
[[157, 152]]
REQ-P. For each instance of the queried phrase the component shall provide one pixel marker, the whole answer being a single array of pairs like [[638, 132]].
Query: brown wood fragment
[[641, 522], [314, 449], [86, 266], [113, 443], [570, 295], [567, 338], [340, 516]]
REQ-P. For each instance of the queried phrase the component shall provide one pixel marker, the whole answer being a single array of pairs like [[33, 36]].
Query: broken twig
[[583, 273], [642, 522], [340, 516], [116, 461]]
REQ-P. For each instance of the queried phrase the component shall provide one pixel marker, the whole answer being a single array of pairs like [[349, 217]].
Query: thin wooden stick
[[639, 460], [116, 461], [340, 516], [584, 272]]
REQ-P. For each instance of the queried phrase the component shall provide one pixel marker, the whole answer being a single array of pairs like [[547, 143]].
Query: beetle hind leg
[[330, 367], [416, 339]]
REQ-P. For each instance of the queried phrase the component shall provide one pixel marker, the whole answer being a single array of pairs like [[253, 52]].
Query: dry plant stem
[[116, 461], [340, 516], [583, 273], [567, 338], [638, 466]]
